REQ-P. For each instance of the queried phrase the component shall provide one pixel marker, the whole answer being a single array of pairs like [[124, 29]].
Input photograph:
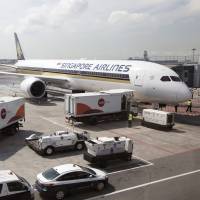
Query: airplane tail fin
[[20, 55]]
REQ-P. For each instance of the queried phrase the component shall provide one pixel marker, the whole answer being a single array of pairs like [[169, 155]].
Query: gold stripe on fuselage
[[59, 75]]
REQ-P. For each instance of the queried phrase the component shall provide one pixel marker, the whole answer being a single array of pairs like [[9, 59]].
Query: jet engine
[[33, 87]]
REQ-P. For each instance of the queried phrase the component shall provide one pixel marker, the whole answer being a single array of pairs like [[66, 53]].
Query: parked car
[[14, 187], [58, 181]]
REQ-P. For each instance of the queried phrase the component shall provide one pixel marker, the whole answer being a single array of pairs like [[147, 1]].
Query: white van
[[14, 187]]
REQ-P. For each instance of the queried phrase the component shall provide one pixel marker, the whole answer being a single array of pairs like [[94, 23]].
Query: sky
[[99, 29]]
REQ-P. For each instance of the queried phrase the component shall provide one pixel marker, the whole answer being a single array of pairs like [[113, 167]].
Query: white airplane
[[151, 82]]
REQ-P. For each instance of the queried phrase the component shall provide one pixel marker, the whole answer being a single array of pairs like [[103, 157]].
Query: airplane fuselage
[[151, 82]]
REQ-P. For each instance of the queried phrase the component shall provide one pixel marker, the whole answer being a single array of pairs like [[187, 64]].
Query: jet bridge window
[[175, 78], [165, 78]]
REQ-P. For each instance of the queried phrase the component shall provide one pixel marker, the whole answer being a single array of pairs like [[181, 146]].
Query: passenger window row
[[87, 73], [97, 74]]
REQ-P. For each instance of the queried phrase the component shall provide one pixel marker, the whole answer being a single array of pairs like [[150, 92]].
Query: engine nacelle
[[33, 87]]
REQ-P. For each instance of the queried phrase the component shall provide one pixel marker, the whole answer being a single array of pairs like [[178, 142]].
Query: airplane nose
[[185, 94], [188, 94]]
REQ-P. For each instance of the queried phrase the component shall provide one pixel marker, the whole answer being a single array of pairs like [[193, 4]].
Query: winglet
[[20, 55]]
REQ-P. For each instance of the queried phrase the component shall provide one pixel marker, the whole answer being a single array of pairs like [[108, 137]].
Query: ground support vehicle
[[103, 149], [158, 119], [14, 187], [12, 114], [61, 180], [58, 141], [93, 107]]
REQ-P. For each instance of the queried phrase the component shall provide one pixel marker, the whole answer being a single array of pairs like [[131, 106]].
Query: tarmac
[[165, 165]]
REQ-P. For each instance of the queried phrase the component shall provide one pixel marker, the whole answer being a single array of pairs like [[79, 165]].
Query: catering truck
[[157, 119], [93, 107], [12, 114], [102, 149]]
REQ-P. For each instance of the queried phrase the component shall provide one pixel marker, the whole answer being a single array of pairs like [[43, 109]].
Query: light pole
[[193, 52]]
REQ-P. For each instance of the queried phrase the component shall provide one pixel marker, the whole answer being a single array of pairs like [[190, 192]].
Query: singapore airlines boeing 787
[[151, 82]]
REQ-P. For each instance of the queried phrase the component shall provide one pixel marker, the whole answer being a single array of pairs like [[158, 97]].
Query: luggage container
[[103, 149], [157, 119]]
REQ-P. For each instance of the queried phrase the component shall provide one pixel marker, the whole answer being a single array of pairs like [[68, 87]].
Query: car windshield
[[88, 170], [50, 174]]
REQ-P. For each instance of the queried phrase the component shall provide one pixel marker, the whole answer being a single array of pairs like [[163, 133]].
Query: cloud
[[50, 15], [101, 28], [183, 11], [124, 16], [193, 7], [156, 12]]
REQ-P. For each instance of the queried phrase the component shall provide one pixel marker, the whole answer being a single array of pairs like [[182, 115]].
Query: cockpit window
[[175, 78], [165, 78]]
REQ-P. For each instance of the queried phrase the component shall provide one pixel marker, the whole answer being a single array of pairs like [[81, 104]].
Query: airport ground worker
[[130, 120], [189, 105], [176, 108]]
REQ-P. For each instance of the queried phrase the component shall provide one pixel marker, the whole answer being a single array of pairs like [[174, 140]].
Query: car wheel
[[49, 151], [79, 146], [100, 186], [60, 195]]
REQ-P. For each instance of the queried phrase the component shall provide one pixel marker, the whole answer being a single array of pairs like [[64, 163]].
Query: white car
[[58, 181], [14, 187]]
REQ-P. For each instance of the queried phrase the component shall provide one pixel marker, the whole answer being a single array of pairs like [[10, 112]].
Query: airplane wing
[[8, 66], [9, 72], [59, 81]]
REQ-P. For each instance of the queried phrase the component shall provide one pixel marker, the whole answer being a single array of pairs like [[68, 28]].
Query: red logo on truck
[[101, 102], [3, 113]]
